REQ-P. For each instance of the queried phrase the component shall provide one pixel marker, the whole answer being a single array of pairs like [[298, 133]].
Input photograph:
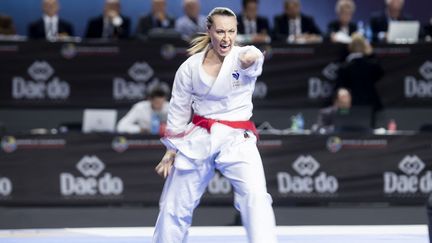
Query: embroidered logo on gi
[[236, 75]]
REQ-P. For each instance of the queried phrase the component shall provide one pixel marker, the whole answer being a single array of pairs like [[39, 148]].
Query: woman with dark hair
[[215, 84]]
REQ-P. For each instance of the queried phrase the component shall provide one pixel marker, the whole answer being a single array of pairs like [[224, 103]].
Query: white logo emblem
[[141, 71], [93, 182], [411, 165], [306, 165], [40, 71], [5, 186], [411, 181], [42, 86], [330, 71], [90, 166], [426, 70]]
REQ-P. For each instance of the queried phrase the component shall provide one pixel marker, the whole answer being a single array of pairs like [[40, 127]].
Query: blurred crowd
[[292, 25]]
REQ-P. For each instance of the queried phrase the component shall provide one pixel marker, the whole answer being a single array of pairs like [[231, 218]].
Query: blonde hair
[[359, 44], [200, 42], [341, 4], [388, 2]]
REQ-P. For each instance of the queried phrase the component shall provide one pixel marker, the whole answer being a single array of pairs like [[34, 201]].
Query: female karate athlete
[[215, 84]]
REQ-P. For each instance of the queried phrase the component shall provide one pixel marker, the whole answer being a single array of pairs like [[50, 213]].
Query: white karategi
[[229, 150]]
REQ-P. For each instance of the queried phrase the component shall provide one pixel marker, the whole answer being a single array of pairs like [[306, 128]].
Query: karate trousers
[[241, 164]]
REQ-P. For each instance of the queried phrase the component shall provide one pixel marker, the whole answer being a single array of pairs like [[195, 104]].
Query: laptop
[[403, 32], [355, 119], [99, 120]]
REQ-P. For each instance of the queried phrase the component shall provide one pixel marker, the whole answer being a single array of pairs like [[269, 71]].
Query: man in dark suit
[[379, 22], [110, 25], [341, 29], [50, 26], [252, 25], [295, 25], [158, 18]]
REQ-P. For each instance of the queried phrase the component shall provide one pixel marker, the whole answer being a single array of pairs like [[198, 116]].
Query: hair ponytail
[[200, 42]]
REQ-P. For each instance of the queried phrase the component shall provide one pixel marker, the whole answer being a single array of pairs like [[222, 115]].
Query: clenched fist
[[248, 57]]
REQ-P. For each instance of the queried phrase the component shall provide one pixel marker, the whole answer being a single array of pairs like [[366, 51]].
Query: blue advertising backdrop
[[79, 11]]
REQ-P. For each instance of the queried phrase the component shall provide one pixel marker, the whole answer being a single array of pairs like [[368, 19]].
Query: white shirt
[[294, 26], [250, 26], [188, 28], [51, 26], [139, 118]]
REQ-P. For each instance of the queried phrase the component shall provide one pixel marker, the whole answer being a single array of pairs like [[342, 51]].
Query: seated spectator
[[295, 25], [379, 22], [6, 25], [341, 29], [327, 116], [50, 26], [360, 73], [111, 24], [251, 25], [158, 18], [192, 22], [146, 116]]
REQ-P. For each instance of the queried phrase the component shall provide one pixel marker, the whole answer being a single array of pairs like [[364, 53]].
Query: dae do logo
[[92, 182], [411, 181], [5, 186], [420, 88], [307, 181], [42, 86]]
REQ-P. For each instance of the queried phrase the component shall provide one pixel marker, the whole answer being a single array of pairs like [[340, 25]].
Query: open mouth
[[224, 47]]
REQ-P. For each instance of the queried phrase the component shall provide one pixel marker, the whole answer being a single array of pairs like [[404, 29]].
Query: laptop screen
[[403, 32]]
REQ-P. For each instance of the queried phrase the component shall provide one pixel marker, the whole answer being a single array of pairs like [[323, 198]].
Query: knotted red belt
[[207, 123]]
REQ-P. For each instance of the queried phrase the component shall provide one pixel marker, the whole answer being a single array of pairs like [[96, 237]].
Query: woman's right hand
[[164, 167]]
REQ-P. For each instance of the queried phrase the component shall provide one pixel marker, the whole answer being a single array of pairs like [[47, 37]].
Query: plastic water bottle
[[392, 126], [300, 122], [155, 124], [297, 122], [368, 33], [361, 28], [294, 123]]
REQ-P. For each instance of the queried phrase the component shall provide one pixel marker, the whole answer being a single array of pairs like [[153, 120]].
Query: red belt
[[207, 123]]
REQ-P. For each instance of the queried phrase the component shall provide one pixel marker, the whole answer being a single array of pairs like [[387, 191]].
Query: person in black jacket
[[327, 116], [341, 29], [251, 24], [295, 25], [360, 73], [50, 26], [380, 21], [110, 25], [428, 31], [158, 18]]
